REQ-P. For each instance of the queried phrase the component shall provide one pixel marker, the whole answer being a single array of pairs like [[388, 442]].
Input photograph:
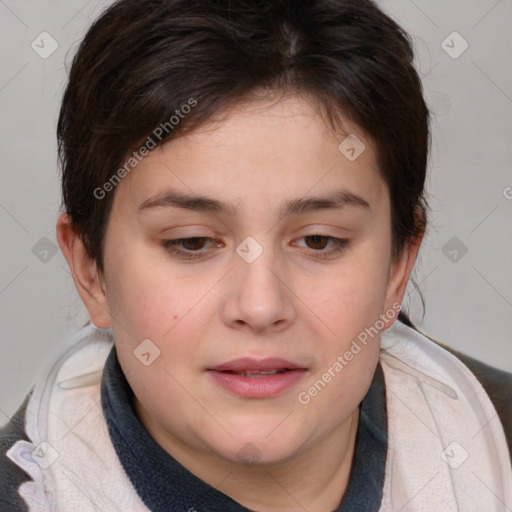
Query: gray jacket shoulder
[[11, 476]]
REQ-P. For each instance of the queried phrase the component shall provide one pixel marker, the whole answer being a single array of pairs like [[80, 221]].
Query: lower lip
[[257, 387]]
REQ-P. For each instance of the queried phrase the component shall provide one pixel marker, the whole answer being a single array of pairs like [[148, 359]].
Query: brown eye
[[191, 248], [323, 246], [317, 241], [193, 244]]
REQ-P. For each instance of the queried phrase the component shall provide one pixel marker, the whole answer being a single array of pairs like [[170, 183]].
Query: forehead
[[263, 150]]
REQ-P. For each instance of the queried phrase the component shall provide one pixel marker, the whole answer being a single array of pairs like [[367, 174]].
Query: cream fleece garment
[[446, 446]]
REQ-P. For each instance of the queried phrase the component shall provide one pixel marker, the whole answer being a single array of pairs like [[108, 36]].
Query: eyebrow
[[173, 199]]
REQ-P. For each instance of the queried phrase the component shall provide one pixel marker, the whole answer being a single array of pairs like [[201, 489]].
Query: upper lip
[[248, 364]]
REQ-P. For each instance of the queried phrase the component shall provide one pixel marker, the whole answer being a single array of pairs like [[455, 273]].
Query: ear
[[400, 272], [88, 281]]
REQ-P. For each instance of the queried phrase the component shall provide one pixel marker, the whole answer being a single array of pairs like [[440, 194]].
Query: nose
[[259, 298]]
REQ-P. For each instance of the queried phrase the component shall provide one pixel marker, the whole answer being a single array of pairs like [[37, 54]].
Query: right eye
[[190, 248]]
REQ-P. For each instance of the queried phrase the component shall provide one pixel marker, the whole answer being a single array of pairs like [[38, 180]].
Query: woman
[[243, 191]]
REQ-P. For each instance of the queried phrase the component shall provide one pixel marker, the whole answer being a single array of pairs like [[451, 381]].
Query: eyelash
[[172, 246]]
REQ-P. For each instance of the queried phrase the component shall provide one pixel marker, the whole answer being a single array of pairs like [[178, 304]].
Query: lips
[[256, 366], [251, 378]]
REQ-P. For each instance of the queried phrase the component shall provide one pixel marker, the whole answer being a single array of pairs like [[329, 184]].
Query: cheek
[[347, 354], [349, 302], [350, 297], [152, 297], [148, 301]]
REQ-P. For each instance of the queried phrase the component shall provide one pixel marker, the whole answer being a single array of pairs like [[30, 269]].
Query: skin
[[290, 302]]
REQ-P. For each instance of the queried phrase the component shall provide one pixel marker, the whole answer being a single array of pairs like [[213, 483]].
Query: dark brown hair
[[141, 61]]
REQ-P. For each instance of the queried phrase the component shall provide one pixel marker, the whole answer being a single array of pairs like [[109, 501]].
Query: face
[[251, 253]]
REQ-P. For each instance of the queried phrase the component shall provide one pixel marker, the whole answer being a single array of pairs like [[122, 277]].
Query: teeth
[[256, 373]]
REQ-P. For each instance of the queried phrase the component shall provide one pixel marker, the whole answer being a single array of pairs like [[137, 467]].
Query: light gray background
[[468, 301]]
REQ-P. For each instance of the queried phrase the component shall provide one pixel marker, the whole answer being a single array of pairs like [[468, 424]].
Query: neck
[[314, 479]]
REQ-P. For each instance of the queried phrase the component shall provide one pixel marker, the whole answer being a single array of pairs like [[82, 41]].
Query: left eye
[[317, 241], [320, 242], [191, 244]]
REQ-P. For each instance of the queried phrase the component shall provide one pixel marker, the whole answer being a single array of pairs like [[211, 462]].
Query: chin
[[259, 449]]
